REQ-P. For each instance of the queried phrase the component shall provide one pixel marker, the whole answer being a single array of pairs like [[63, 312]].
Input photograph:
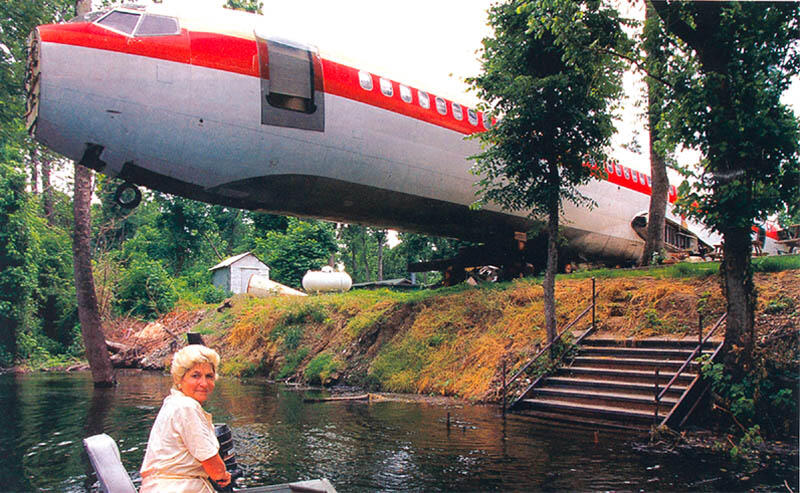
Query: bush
[[320, 369], [146, 289]]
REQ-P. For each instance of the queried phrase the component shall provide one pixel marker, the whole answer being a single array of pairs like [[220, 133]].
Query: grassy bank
[[453, 341]]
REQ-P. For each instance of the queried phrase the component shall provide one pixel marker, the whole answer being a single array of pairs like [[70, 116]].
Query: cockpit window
[[124, 22], [157, 25]]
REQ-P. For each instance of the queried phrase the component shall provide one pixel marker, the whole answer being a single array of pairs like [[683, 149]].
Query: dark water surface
[[359, 446]]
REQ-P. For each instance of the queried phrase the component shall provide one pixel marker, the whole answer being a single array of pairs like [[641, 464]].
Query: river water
[[380, 446]]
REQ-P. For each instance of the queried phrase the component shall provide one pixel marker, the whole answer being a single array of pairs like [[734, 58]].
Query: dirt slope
[[448, 342]]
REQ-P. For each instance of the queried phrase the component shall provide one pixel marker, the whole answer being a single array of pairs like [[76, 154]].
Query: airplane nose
[[33, 81]]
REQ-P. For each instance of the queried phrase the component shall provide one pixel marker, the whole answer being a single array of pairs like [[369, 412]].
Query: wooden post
[[655, 414], [504, 386], [594, 301], [700, 330]]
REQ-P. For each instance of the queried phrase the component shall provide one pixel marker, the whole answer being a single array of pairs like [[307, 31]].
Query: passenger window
[[487, 121], [647, 180], [627, 174], [619, 170], [472, 116], [157, 25], [405, 93], [424, 99], [386, 87], [124, 22], [365, 79], [441, 106], [458, 112]]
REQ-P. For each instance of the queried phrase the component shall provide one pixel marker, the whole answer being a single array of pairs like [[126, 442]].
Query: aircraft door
[[291, 84]]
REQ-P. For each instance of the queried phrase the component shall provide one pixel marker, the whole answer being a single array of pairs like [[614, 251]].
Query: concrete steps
[[612, 383]]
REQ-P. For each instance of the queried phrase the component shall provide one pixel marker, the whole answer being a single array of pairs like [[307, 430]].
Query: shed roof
[[231, 260]]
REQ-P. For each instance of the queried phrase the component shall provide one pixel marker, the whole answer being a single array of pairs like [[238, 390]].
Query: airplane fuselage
[[230, 115]]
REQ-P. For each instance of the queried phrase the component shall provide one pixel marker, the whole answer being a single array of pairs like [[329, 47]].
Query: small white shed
[[234, 272]]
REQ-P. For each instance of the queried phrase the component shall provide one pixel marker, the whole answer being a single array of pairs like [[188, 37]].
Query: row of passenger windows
[[629, 174], [135, 24], [424, 99], [635, 176]]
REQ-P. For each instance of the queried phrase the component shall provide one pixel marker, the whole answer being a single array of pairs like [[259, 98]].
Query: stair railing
[[550, 345], [701, 342]]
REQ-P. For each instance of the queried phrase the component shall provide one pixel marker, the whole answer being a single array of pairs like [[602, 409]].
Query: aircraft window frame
[[648, 182], [405, 94], [116, 28], [627, 173], [618, 169], [441, 105], [386, 87], [635, 176], [143, 20], [424, 99], [487, 121], [365, 80], [472, 116], [458, 111]]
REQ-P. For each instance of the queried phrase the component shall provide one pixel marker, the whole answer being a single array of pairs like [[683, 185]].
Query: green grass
[[683, 270], [776, 263]]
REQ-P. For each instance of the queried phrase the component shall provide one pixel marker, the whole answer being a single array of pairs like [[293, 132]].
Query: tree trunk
[[381, 237], [549, 283], [47, 191], [654, 240], [364, 253], [88, 314], [740, 294], [34, 171], [656, 217]]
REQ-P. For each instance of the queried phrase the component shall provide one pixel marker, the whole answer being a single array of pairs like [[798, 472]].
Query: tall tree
[[725, 101], [88, 313], [655, 61], [547, 73]]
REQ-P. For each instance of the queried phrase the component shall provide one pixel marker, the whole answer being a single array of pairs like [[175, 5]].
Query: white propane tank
[[325, 280], [261, 286]]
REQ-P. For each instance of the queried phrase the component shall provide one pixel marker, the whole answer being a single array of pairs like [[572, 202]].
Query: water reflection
[[359, 446]]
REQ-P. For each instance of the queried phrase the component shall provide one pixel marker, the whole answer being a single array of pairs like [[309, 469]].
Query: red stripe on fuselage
[[239, 55]]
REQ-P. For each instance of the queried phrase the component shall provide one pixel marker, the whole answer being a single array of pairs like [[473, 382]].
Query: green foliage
[[766, 397], [238, 366], [779, 305], [548, 74], [306, 245], [17, 271], [776, 263], [195, 286], [254, 6], [724, 99], [320, 368], [293, 360], [146, 289]]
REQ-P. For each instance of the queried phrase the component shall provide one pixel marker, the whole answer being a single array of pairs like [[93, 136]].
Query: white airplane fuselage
[[229, 115]]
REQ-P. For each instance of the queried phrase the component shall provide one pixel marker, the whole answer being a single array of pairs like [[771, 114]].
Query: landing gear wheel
[[489, 273], [127, 196]]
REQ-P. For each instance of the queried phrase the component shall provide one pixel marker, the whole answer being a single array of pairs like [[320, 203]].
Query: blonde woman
[[183, 451]]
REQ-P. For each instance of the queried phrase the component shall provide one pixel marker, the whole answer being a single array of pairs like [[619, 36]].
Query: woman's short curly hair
[[186, 358]]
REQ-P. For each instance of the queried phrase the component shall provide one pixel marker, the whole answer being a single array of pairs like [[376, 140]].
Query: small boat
[[113, 478]]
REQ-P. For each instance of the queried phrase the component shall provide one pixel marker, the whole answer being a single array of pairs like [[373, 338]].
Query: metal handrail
[[691, 357], [550, 344], [556, 339]]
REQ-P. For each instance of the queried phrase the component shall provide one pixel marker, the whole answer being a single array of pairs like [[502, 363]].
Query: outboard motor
[[228, 455]]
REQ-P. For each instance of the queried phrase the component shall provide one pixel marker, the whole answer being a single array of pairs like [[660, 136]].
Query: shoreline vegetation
[[453, 341]]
